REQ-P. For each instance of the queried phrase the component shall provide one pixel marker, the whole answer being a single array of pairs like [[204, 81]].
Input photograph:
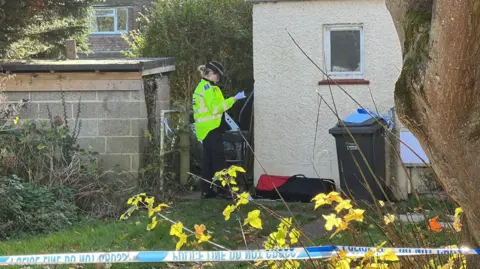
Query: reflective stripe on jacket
[[208, 107]]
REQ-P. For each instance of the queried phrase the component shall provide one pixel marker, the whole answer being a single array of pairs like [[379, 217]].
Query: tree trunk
[[437, 95]]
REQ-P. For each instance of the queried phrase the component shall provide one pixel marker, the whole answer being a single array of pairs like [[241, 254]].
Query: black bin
[[369, 135]]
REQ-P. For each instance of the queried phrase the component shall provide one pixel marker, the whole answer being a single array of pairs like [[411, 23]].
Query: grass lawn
[[116, 235]]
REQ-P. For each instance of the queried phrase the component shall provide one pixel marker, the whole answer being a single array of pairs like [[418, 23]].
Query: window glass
[[345, 51], [122, 19]]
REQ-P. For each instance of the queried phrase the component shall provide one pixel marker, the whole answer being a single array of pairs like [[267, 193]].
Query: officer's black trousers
[[213, 158]]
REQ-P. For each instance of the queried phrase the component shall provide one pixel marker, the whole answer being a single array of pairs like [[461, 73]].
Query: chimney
[[71, 47]]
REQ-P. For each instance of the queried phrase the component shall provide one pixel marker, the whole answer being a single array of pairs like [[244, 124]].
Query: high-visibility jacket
[[208, 107]]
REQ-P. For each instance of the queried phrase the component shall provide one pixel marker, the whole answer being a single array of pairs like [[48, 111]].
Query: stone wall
[[113, 114]]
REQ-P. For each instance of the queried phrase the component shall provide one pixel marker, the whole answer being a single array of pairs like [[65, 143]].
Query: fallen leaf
[[434, 226], [75, 246]]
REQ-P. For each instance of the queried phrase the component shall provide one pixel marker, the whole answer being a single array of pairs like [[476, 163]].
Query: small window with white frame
[[344, 51], [112, 20]]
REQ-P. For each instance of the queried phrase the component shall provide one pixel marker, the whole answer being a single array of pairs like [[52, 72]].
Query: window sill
[[344, 82]]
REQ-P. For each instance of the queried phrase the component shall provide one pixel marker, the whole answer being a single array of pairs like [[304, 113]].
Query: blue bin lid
[[362, 121], [357, 118]]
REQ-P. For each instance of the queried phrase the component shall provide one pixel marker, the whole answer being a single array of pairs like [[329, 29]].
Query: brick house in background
[[110, 20]]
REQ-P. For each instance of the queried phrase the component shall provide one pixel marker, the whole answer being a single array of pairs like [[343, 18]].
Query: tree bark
[[437, 95]]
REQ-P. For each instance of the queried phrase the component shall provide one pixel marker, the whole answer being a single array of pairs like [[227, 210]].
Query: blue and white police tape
[[318, 252]]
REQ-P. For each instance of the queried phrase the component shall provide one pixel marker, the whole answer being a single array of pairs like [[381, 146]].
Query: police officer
[[209, 106]]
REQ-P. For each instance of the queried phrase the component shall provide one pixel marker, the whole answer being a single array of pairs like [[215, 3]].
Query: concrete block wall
[[113, 121]]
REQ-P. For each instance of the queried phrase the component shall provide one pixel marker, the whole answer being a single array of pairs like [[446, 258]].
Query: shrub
[[31, 209], [195, 32], [45, 153]]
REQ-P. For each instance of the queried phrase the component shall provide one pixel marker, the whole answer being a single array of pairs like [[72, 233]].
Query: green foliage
[[31, 209], [36, 150], [197, 31], [39, 28], [46, 153]]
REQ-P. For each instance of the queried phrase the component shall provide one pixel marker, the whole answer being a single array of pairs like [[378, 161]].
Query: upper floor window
[[110, 20], [344, 51]]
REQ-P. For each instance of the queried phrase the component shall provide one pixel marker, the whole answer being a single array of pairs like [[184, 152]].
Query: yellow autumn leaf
[[320, 200], [152, 225], [176, 229], [332, 221], [457, 225], [128, 213], [381, 245], [389, 218], [355, 214], [232, 171], [368, 255], [390, 256], [345, 204], [150, 200], [294, 236], [290, 264], [279, 237], [182, 239], [199, 233], [228, 210], [15, 121], [458, 210], [254, 219], [157, 209], [242, 199], [342, 227], [203, 238], [235, 189], [382, 204], [341, 261], [335, 196], [285, 223]]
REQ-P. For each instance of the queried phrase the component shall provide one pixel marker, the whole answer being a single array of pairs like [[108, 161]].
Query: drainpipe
[[162, 148]]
